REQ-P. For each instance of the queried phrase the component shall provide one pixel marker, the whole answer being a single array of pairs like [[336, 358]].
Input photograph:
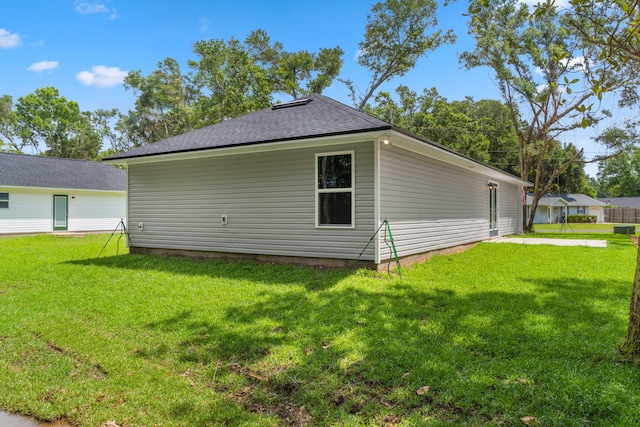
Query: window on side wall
[[4, 200], [335, 192]]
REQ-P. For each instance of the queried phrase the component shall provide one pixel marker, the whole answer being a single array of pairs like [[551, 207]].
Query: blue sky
[[85, 47]]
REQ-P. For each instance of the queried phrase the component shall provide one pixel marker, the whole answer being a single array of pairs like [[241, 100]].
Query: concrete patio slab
[[554, 242]]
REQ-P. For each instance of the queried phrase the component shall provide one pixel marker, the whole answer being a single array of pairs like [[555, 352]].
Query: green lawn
[[496, 333], [568, 228]]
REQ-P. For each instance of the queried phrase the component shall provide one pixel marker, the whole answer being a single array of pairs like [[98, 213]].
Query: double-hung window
[[4, 200], [335, 189]]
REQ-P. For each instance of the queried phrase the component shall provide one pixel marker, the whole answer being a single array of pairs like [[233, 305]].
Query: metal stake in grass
[[123, 230], [393, 246]]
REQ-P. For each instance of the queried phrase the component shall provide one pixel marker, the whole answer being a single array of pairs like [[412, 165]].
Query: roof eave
[[406, 140], [255, 147], [252, 147]]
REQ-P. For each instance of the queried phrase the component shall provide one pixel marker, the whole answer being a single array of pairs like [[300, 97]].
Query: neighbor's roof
[[573, 199], [314, 116], [621, 202], [19, 170]]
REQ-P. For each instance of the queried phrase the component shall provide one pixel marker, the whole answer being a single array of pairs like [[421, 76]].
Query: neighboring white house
[[554, 208], [311, 180], [44, 194]]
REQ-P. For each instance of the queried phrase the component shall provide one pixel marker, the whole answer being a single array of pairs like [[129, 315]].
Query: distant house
[[45, 194], [621, 202], [554, 208], [311, 181]]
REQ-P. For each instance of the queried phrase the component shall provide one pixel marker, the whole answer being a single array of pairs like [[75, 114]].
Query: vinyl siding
[[96, 211], [432, 205], [597, 211], [31, 210], [269, 200], [509, 209]]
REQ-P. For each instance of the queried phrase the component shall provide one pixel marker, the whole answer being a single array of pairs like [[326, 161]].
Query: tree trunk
[[630, 349]]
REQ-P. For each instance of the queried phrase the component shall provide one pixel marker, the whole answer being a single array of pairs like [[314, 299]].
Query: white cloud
[[43, 66], [93, 7], [541, 88], [562, 4], [102, 76], [8, 40], [573, 63], [359, 53]]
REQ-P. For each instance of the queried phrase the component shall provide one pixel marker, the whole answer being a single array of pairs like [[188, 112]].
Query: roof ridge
[[37, 156], [351, 110]]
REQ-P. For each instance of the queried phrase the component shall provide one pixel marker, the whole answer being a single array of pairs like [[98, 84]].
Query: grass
[[484, 337], [604, 228]]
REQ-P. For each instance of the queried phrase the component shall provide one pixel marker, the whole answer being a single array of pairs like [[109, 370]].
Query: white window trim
[[352, 190], [497, 207]]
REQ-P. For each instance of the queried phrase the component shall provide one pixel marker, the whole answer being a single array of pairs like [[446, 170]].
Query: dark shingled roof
[[573, 199], [314, 116], [621, 202], [19, 170]]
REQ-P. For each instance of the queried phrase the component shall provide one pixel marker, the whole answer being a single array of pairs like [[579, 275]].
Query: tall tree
[[8, 126], [47, 122], [620, 176], [612, 28], [546, 74], [476, 129], [396, 37], [232, 82], [295, 73], [163, 108], [573, 179]]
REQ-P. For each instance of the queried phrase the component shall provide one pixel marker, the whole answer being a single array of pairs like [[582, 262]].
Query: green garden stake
[[393, 246]]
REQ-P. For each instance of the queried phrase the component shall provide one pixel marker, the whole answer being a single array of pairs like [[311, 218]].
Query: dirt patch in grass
[[284, 406]]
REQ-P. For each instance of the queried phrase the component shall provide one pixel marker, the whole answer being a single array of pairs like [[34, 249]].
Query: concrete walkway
[[555, 242]]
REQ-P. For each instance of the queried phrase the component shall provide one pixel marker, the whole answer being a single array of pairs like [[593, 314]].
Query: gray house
[[45, 194], [311, 180], [554, 208]]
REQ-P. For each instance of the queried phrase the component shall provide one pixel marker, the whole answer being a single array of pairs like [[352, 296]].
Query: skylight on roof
[[294, 103]]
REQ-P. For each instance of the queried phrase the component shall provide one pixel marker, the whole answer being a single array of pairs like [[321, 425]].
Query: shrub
[[582, 219]]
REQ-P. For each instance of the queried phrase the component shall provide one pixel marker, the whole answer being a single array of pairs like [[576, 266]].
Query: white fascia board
[[415, 145], [251, 148], [64, 190]]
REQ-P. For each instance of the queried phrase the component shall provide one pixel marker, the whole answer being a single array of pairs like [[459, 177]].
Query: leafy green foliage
[[395, 38], [575, 218], [612, 27], [163, 106], [549, 77], [477, 129], [619, 176], [289, 71], [228, 78], [47, 119], [573, 179], [8, 137], [143, 340]]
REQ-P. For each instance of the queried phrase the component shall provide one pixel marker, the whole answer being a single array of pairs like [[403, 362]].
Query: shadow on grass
[[314, 279], [350, 353]]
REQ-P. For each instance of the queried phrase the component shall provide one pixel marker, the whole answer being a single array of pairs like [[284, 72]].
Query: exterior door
[[60, 212], [493, 209]]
